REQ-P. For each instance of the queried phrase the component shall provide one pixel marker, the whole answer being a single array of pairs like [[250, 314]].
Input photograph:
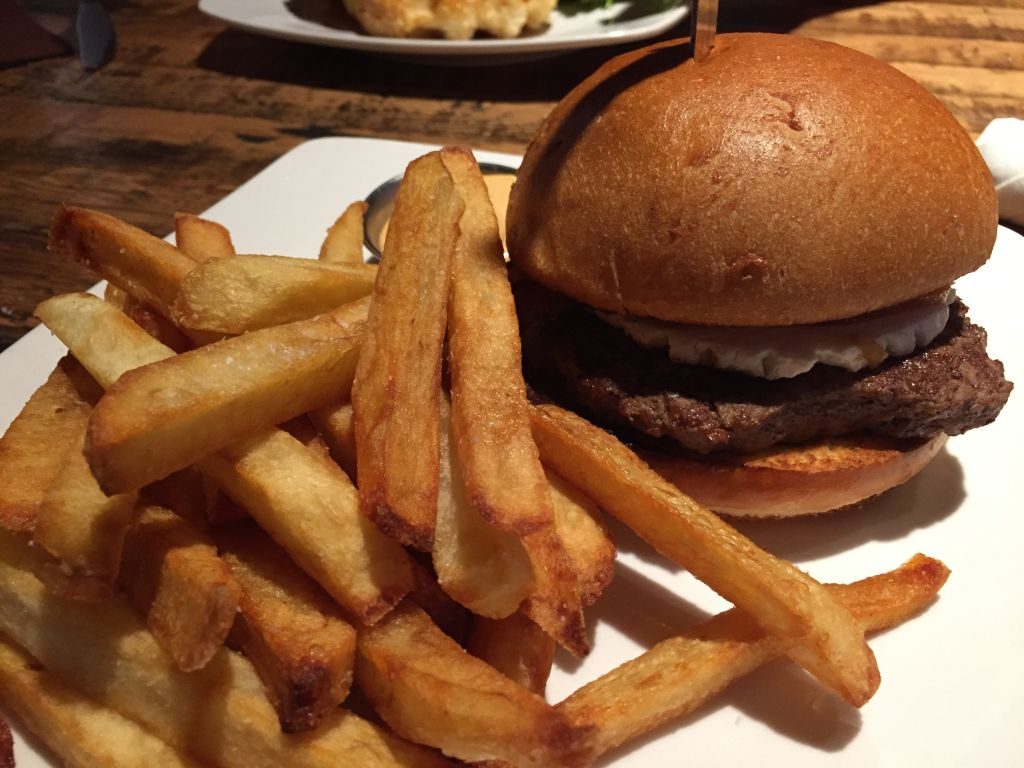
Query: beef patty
[[950, 386]]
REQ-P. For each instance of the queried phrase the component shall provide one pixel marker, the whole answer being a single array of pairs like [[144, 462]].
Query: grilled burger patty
[[950, 386]]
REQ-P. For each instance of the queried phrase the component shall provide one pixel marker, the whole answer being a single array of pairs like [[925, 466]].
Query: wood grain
[[189, 109]]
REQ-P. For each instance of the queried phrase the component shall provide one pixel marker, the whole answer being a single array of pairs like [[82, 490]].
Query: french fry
[[201, 239], [114, 295], [499, 463], [220, 713], [344, 241], [398, 380], [289, 629], [336, 425], [155, 324], [237, 294], [35, 445], [302, 429], [678, 675], [516, 647], [580, 526], [81, 530], [308, 506], [782, 599], [186, 493], [172, 574], [431, 691], [450, 617], [77, 730], [480, 566], [167, 415], [135, 261], [100, 336]]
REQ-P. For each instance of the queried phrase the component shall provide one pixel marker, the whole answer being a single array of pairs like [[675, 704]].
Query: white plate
[[953, 679], [324, 23]]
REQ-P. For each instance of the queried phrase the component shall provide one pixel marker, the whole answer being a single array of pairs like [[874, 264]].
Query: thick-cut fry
[[336, 424], [156, 325], [680, 674], [245, 293], [135, 261], [580, 526], [499, 462], [480, 566], [289, 629], [80, 732], [398, 380], [187, 593], [100, 336], [219, 713], [310, 508], [516, 647], [188, 493], [430, 690], [35, 445], [114, 295], [344, 241], [450, 617], [167, 415], [782, 599], [201, 239], [82, 531]]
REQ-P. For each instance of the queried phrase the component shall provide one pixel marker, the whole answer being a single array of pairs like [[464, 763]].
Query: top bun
[[783, 180]]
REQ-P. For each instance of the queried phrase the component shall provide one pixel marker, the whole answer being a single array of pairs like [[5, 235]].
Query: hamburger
[[743, 266]]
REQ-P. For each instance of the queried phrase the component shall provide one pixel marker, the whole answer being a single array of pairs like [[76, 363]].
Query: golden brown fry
[[344, 241], [302, 429], [289, 629], [398, 379], [34, 447], [781, 598], [167, 415], [580, 525], [337, 426], [186, 493], [201, 239], [430, 690], [310, 508], [499, 462], [480, 566], [218, 713], [516, 647], [155, 324], [100, 336], [187, 593], [678, 675], [81, 530], [114, 295], [450, 617], [135, 261], [80, 732], [237, 294]]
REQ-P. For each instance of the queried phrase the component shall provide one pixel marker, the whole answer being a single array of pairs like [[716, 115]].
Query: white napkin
[[1002, 146]]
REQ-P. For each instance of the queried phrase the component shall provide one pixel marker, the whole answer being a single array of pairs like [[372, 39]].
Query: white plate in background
[[952, 690], [324, 22]]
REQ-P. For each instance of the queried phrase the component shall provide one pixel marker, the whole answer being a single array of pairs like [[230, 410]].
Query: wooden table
[[189, 109]]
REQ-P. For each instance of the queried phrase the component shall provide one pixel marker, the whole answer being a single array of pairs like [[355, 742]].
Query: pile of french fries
[[263, 494]]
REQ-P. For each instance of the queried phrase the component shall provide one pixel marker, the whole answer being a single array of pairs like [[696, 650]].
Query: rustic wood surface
[[189, 109]]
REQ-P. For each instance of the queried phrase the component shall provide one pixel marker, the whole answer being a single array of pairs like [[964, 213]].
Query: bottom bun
[[790, 481]]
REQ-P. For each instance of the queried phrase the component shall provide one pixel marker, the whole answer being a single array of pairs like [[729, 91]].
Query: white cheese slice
[[781, 352]]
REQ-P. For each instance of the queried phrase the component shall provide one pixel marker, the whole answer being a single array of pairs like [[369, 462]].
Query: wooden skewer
[[703, 23]]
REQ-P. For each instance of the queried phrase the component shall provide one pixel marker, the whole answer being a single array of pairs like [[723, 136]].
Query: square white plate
[[952, 689], [323, 22]]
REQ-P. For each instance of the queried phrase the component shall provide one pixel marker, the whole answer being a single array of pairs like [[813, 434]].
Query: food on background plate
[[757, 252], [452, 19]]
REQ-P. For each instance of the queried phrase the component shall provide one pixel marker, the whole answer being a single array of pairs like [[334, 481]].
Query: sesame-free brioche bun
[[781, 181], [791, 481]]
